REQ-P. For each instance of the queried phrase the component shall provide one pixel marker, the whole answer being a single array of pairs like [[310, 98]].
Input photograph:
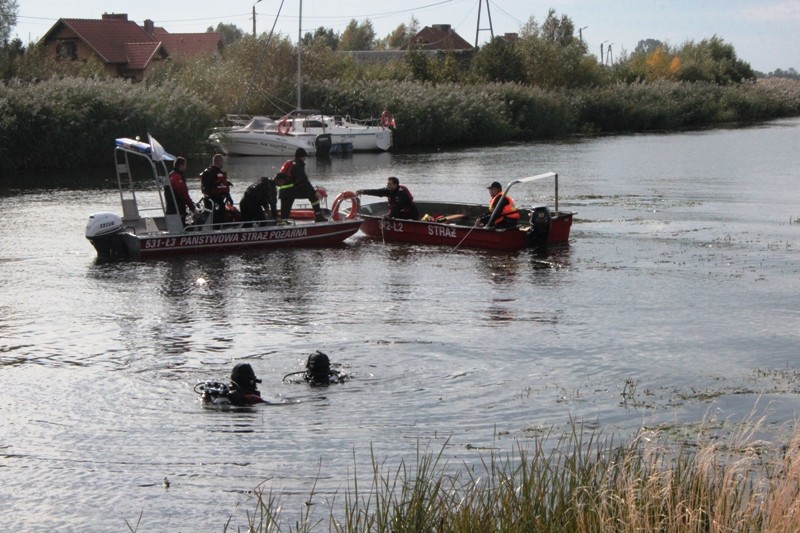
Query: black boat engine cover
[[540, 225]]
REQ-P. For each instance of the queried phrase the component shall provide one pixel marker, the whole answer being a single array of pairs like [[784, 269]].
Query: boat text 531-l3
[[148, 231]]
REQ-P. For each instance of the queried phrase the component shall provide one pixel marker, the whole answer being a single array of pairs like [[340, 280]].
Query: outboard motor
[[318, 369], [104, 232], [323, 143], [540, 226]]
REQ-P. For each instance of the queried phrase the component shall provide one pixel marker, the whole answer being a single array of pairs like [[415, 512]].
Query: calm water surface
[[681, 278]]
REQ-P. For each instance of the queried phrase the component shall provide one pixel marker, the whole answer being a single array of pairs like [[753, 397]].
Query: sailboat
[[308, 129], [346, 133]]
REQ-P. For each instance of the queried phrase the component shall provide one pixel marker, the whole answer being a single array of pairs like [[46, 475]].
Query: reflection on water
[[682, 277]]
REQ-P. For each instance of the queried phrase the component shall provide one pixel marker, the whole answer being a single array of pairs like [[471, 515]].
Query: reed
[[578, 482], [72, 122]]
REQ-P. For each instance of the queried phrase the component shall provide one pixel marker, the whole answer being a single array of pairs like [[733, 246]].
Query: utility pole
[[478, 28], [254, 17]]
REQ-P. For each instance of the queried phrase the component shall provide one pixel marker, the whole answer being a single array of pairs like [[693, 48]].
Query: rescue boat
[[454, 224], [146, 230]]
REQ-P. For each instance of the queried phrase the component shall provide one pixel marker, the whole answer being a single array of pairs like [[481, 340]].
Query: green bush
[[72, 122]]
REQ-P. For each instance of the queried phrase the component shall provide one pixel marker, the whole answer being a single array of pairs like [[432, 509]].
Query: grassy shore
[[72, 122], [652, 483]]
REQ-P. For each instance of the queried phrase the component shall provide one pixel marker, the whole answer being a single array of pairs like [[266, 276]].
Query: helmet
[[300, 152], [243, 376], [318, 369]]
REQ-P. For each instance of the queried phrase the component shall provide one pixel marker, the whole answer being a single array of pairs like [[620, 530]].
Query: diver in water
[[242, 391], [318, 372]]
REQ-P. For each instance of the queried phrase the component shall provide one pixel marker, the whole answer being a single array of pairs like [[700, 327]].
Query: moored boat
[[261, 136], [148, 231], [454, 224], [359, 137]]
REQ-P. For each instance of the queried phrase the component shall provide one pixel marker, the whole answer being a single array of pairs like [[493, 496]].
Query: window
[[67, 50]]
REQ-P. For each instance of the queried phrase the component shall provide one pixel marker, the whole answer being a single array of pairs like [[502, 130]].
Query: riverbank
[[716, 476], [71, 123]]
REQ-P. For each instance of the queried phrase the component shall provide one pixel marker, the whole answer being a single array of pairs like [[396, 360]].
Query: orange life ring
[[355, 203], [283, 126]]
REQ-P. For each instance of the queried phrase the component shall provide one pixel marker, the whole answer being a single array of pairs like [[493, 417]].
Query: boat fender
[[283, 127], [337, 202]]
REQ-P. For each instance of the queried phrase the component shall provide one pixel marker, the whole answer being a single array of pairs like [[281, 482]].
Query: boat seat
[[150, 226]]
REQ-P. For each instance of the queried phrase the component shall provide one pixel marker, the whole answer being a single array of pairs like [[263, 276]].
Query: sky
[[764, 33]]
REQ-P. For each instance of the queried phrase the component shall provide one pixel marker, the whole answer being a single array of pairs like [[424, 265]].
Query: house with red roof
[[127, 49], [440, 38]]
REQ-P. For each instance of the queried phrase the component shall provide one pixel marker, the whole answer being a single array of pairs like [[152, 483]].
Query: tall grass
[[431, 114], [72, 122], [582, 484]]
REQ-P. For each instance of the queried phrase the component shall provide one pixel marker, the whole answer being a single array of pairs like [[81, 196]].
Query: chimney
[[149, 26], [116, 16], [442, 27]]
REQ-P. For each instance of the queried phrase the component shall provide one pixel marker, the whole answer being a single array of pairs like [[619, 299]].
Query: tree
[[10, 55], [230, 32], [499, 60], [357, 36], [324, 36], [559, 31], [553, 57], [402, 35], [8, 19], [713, 60], [648, 46], [39, 64], [418, 64]]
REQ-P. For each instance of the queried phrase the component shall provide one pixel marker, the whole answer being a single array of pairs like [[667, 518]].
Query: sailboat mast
[[299, 48]]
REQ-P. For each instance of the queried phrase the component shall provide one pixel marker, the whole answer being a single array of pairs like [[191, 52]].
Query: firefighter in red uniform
[[508, 216], [176, 194]]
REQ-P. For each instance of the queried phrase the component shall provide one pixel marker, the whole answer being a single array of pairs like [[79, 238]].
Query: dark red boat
[[454, 224]]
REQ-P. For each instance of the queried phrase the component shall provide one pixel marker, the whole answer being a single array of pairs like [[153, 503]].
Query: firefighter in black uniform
[[216, 188], [260, 200], [297, 186]]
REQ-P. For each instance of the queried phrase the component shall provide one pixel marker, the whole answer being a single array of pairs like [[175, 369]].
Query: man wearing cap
[[507, 214], [297, 186]]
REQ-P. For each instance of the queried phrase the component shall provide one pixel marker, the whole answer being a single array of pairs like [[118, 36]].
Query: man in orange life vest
[[401, 202], [297, 186], [507, 215], [216, 188]]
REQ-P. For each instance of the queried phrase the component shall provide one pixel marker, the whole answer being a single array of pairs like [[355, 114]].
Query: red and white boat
[[454, 224], [147, 231]]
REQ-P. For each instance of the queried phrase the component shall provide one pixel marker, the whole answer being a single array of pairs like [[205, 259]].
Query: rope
[[464, 239]]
